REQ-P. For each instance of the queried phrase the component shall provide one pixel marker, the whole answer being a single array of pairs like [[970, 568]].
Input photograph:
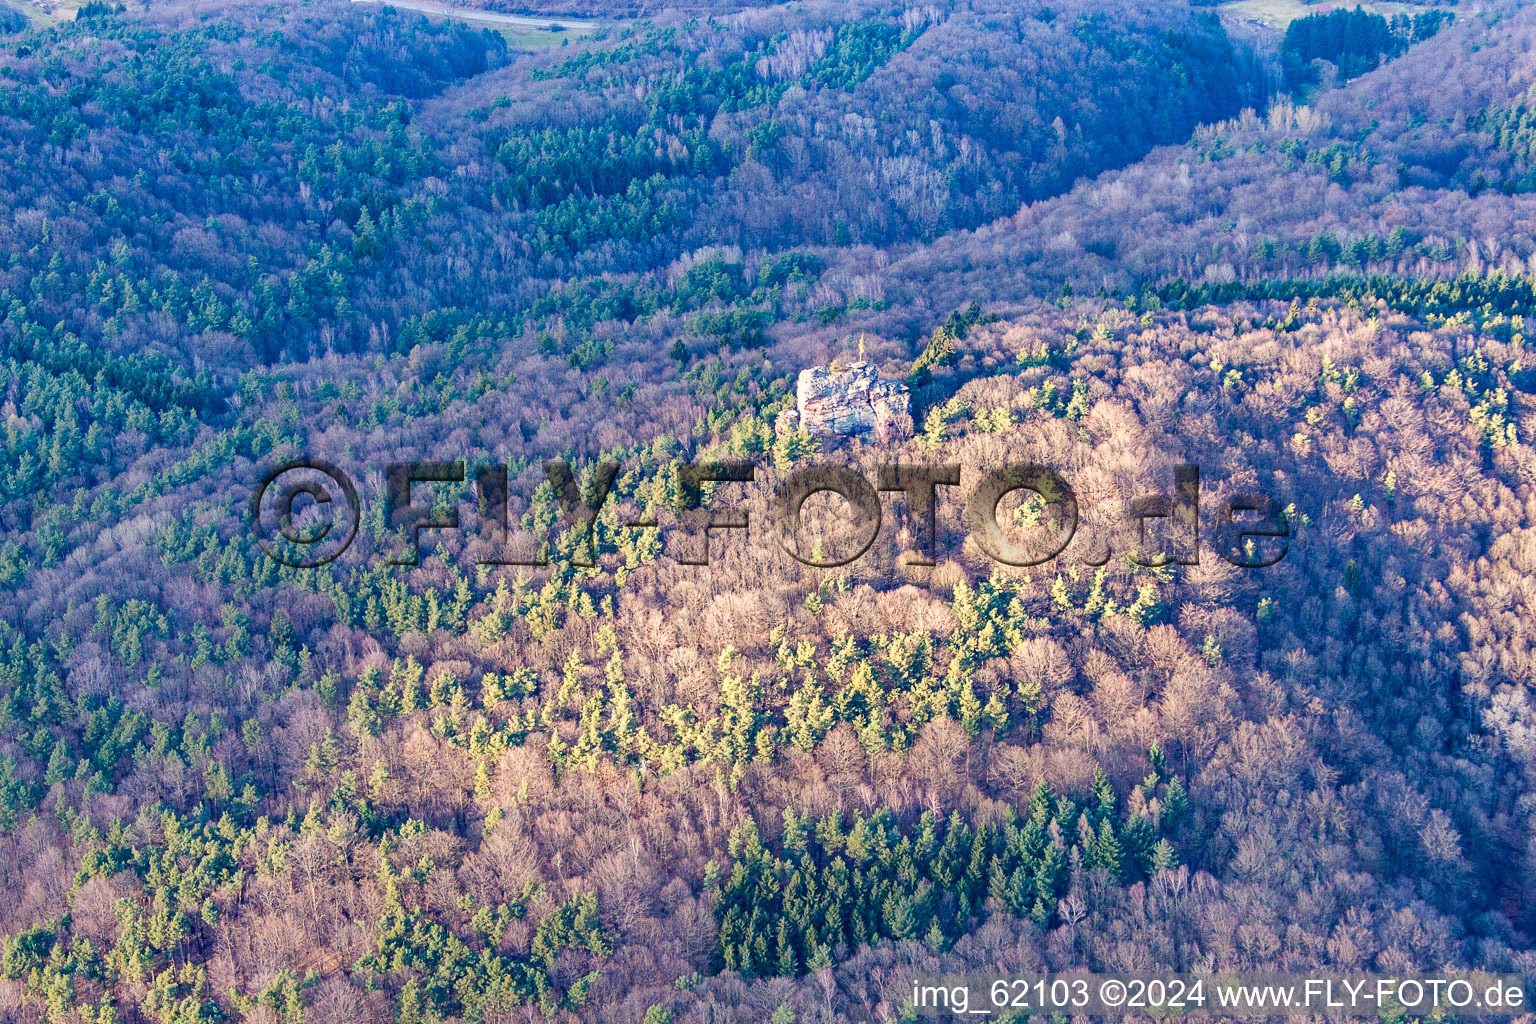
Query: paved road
[[474, 14]]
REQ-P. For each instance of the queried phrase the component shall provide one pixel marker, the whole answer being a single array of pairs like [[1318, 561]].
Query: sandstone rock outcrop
[[852, 400]]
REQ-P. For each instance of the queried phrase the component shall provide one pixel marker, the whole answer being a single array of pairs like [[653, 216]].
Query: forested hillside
[[1388, 175], [628, 789]]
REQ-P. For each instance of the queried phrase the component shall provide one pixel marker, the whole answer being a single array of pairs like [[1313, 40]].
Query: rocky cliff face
[[853, 400]]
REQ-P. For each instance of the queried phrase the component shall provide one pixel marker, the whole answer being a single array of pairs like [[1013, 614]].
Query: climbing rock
[[852, 400]]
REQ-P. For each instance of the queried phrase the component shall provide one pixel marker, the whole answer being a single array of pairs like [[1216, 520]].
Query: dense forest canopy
[[1088, 235], [1353, 41]]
